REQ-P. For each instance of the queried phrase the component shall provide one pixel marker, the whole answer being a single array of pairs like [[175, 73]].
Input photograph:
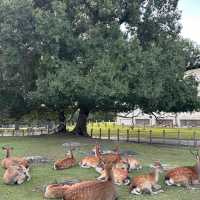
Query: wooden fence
[[139, 136], [24, 131]]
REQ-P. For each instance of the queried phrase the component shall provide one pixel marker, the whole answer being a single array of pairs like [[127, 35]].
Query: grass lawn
[[170, 133], [51, 147]]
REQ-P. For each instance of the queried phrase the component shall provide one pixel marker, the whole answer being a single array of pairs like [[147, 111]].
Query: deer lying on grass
[[68, 162], [120, 175], [91, 161], [133, 163], [148, 182], [55, 191], [185, 176], [16, 174], [11, 161], [93, 190]]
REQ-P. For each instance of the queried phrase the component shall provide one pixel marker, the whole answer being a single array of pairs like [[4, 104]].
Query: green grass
[[170, 133], [51, 147]]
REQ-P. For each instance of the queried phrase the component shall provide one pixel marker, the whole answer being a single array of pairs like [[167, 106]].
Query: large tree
[[84, 59]]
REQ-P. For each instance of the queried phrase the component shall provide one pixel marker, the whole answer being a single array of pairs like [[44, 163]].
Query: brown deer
[[147, 182], [120, 175], [112, 157], [16, 174], [91, 161], [93, 190], [68, 162], [55, 190], [10, 161], [185, 176], [133, 163]]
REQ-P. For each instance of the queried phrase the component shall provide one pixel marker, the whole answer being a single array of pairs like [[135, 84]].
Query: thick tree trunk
[[81, 124], [62, 122]]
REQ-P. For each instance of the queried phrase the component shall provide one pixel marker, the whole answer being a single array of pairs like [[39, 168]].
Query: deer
[[120, 174], [185, 176], [12, 161], [53, 191], [91, 161], [147, 182], [93, 190], [68, 162], [16, 174], [133, 163]]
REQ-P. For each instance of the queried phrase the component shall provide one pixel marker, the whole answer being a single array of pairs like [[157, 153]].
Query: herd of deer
[[113, 169]]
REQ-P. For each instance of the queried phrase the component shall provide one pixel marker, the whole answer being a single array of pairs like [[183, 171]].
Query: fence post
[[178, 137], [23, 134], [194, 138], [118, 135], [150, 136], [100, 133], [138, 136], [91, 132], [127, 135], [163, 136], [13, 132], [109, 134]]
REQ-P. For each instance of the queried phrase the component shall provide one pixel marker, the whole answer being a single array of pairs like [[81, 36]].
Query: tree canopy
[[93, 55]]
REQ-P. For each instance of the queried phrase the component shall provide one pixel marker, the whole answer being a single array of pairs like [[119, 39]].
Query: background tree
[[82, 60]]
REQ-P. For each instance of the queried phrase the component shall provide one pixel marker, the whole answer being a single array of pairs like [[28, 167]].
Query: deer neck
[[197, 167], [155, 175], [7, 153]]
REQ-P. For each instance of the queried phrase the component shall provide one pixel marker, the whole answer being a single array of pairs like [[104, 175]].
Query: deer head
[[7, 149]]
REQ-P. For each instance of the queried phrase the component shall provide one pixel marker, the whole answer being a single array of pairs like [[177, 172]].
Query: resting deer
[[185, 176], [132, 162], [120, 175], [112, 157], [148, 182], [10, 161], [93, 190], [16, 174], [68, 162], [55, 191], [91, 161]]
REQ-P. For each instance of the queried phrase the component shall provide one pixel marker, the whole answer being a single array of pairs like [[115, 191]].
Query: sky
[[190, 19]]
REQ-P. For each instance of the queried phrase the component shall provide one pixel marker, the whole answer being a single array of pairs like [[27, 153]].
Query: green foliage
[[74, 54]]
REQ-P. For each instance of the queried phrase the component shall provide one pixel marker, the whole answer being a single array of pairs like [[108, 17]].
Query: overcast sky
[[190, 19]]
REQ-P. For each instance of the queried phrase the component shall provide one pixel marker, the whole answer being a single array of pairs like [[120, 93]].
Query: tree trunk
[[81, 124], [62, 123]]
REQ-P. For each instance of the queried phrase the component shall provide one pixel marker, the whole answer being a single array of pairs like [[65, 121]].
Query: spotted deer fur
[[91, 161], [68, 162], [93, 190], [147, 182], [16, 174], [185, 176]]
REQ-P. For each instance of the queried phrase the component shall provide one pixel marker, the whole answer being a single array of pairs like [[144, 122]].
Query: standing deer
[[93, 190], [10, 161], [185, 176], [147, 182], [91, 161], [68, 162], [16, 174]]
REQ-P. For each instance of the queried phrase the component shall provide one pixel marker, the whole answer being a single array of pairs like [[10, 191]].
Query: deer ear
[[4, 148]]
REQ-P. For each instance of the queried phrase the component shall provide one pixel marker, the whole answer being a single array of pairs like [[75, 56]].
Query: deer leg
[[136, 191], [155, 192], [156, 186]]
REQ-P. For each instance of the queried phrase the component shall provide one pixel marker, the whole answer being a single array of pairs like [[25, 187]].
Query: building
[[185, 119]]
